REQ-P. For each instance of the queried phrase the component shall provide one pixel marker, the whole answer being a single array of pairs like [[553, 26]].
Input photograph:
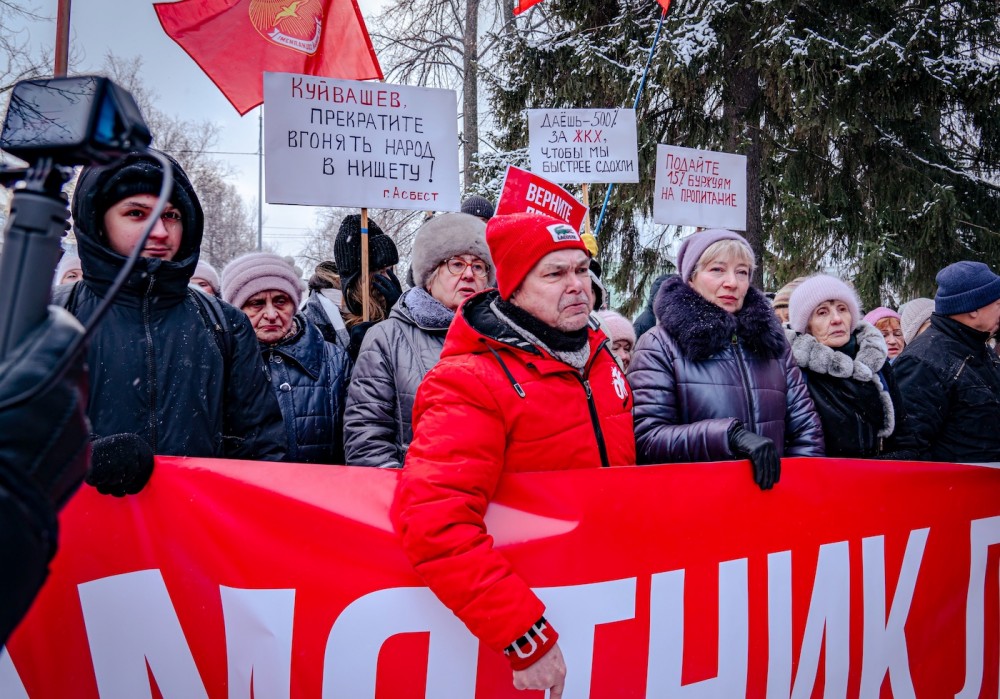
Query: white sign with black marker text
[[700, 188], [336, 142], [583, 145]]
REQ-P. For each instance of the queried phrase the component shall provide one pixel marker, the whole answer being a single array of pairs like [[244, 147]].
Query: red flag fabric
[[226, 578], [665, 4], [522, 5], [235, 41]]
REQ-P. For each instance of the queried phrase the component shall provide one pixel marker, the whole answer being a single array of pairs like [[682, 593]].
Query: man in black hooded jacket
[[161, 368]]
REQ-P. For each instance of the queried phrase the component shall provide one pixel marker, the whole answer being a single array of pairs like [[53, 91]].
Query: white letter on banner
[[130, 622], [666, 636], [11, 686], [829, 615], [779, 625], [575, 610], [258, 641], [884, 640], [984, 533], [351, 659]]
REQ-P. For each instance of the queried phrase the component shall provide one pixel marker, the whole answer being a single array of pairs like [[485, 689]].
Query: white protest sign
[[583, 145], [700, 188], [359, 144]]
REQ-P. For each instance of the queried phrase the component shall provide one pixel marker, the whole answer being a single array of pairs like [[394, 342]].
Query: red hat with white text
[[518, 241]]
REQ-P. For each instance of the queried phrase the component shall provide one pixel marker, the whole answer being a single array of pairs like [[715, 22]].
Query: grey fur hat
[[444, 236]]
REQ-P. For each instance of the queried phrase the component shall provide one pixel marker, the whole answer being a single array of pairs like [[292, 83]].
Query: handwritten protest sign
[[700, 188], [526, 191], [584, 145], [361, 144]]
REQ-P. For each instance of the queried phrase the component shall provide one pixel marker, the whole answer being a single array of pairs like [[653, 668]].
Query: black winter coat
[[647, 319], [950, 381], [701, 368], [156, 368], [309, 377], [855, 394]]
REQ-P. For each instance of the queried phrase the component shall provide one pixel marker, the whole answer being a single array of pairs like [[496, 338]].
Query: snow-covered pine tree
[[871, 129]]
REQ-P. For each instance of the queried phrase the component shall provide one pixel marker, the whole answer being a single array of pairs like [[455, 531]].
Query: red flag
[[665, 4], [235, 41], [522, 5]]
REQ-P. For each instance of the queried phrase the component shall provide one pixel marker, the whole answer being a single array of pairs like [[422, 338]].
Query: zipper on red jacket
[[150, 364], [746, 383], [601, 447], [591, 406]]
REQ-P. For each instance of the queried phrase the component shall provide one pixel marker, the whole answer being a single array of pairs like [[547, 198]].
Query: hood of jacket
[[702, 329], [165, 282]]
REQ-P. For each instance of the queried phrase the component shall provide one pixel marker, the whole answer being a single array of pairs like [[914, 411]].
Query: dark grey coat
[[394, 357], [700, 368]]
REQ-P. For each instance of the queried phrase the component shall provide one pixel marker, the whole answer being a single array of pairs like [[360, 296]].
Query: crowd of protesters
[[502, 356]]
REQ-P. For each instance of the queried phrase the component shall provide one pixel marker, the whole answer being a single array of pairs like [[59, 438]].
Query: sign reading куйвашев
[[583, 145], [700, 188], [359, 144]]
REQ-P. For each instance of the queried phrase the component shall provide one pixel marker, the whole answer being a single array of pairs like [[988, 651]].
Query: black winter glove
[[121, 464], [357, 335], [389, 287], [43, 442], [761, 452]]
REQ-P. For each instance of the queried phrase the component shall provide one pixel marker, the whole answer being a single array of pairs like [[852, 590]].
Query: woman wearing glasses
[[450, 262]]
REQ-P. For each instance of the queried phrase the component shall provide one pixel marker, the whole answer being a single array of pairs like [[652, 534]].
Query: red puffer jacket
[[492, 406]]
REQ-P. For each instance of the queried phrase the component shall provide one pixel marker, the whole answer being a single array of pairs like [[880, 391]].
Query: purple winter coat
[[702, 367]]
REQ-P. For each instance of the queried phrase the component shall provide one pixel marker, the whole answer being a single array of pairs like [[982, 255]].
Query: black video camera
[[53, 124]]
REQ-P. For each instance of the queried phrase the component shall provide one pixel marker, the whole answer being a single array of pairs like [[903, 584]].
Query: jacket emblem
[[619, 384]]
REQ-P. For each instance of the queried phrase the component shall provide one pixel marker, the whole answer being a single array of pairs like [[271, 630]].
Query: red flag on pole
[[665, 4], [235, 41]]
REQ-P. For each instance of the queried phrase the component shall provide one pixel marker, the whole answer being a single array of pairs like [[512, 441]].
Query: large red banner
[[849, 579]]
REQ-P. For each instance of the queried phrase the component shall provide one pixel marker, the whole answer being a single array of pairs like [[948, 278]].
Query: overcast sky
[[130, 28]]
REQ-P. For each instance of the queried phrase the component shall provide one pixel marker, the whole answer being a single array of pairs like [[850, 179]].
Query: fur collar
[[702, 329], [425, 310], [871, 357]]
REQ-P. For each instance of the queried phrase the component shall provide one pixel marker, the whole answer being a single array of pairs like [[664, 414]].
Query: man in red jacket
[[525, 383]]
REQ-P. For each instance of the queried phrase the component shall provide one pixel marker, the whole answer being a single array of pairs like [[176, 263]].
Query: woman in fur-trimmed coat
[[845, 362], [714, 379]]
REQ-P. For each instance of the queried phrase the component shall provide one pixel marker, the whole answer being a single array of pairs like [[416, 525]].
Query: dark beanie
[[100, 188], [478, 206], [964, 287], [347, 248]]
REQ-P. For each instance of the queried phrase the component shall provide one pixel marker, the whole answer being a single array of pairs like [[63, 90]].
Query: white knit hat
[[814, 291], [913, 314]]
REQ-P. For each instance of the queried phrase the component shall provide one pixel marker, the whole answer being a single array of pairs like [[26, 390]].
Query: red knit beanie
[[518, 241]]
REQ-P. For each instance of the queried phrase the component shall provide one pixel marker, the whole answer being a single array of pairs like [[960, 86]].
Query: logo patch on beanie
[[561, 232]]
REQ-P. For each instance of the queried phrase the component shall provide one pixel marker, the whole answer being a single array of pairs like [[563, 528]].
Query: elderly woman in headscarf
[[845, 361], [714, 379], [888, 323], [450, 263]]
